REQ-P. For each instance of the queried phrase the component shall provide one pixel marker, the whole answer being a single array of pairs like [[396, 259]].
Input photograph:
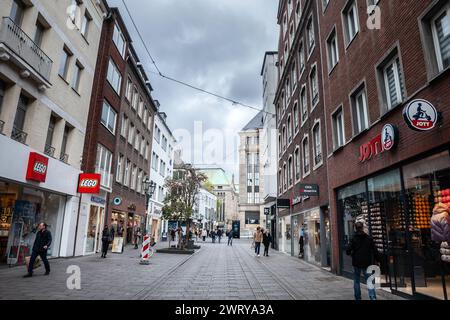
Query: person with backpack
[[364, 253]]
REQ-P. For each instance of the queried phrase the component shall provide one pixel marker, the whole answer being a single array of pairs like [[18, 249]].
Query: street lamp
[[149, 189]]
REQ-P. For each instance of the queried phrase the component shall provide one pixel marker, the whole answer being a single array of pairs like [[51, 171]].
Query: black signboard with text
[[311, 190], [283, 203]]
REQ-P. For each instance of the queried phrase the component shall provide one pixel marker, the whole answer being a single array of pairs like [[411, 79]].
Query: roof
[[256, 123], [216, 176]]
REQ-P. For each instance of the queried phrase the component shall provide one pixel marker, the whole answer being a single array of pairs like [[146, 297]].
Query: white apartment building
[[48, 53], [204, 213], [162, 168], [268, 139]]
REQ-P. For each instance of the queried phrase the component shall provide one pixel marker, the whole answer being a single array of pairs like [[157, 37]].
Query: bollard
[[145, 253]]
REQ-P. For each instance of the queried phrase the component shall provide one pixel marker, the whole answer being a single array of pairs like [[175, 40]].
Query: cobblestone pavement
[[216, 271]]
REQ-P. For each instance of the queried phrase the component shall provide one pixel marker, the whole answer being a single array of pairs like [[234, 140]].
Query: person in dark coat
[[106, 239], [364, 254], [230, 238], [267, 240], [219, 234], [41, 244]]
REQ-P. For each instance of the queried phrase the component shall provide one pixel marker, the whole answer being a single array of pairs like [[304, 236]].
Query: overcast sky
[[218, 45]]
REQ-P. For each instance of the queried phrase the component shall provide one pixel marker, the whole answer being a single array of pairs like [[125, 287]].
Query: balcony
[[49, 150], [18, 48], [64, 157], [19, 135]]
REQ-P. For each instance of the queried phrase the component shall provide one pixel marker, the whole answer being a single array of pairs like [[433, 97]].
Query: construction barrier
[[145, 254]]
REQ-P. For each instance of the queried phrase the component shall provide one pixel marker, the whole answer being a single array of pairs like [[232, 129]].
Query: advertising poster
[[117, 245]]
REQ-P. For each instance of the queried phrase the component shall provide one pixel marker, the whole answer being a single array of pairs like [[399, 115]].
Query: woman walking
[[106, 239], [204, 234]]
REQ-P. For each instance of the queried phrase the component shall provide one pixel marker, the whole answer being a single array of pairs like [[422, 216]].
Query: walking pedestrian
[[106, 239], [137, 237], [257, 239], [204, 234], [219, 234], [301, 242], [213, 236], [41, 244], [230, 238], [364, 253], [267, 240]]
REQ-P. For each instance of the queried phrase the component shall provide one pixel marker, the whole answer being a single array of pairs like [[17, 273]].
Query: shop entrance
[[94, 229]]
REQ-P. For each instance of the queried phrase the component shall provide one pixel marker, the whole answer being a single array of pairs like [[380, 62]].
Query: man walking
[[41, 244], [364, 254], [204, 234], [219, 234], [267, 240], [230, 238], [257, 239]]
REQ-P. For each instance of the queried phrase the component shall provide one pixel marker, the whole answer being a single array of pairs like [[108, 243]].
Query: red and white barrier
[[145, 254]]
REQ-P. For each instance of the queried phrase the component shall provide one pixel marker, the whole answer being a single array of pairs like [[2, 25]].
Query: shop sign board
[[37, 167], [117, 245], [310, 190], [89, 183], [266, 211], [283, 203], [420, 115], [98, 200], [384, 141]]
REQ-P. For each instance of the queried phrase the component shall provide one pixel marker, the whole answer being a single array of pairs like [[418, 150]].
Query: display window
[[21, 210], [312, 236], [284, 235], [94, 229]]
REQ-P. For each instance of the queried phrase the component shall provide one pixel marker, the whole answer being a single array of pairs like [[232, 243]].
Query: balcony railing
[[2, 124], [22, 45], [19, 135], [318, 158], [49, 150], [64, 157]]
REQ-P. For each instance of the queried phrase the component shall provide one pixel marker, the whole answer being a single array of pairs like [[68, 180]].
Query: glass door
[[92, 229]]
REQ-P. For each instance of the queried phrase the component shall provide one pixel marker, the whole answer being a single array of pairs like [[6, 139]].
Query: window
[[280, 144], [257, 198], [391, 81], [64, 63], [103, 165], [289, 129], [290, 169], [325, 4], [119, 169], [133, 178], [280, 182], [297, 164], [131, 134], [129, 90], [304, 104], [359, 111], [317, 145], [17, 11], [85, 24], [288, 90], [298, 11], [311, 36], [295, 112], [338, 129], [141, 107], [126, 179], [441, 37], [157, 134], [2, 94], [314, 82], [294, 76], [75, 9], [164, 143], [284, 176], [305, 149], [39, 34], [351, 21], [19, 119], [137, 141], [149, 121], [155, 162], [284, 138], [77, 76], [49, 140], [147, 150], [301, 58], [114, 77], [333, 51], [162, 168], [135, 99], [124, 129], [139, 182], [249, 197], [142, 146], [144, 116], [108, 118], [119, 40], [63, 156]]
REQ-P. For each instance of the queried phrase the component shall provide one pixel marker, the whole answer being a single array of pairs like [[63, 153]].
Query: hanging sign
[[37, 167], [420, 115], [89, 183]]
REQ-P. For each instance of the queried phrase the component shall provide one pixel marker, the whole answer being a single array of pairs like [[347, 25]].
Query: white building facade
[[48, 53], [268, 140], [204, 213], [162, 169]]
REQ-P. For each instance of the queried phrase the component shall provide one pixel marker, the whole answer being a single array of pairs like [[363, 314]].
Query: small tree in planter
[[181, 196]]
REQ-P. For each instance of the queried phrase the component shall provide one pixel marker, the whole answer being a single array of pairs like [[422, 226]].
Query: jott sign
[[385, 141], [89, 183], [37, 167], [420, 115]]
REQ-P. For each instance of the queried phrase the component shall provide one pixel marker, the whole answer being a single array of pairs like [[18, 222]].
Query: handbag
[[37, 262]]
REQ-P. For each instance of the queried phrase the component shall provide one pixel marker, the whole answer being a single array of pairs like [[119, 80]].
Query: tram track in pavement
[[281, 282]]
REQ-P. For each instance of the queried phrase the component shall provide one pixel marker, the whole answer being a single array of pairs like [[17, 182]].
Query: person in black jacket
[[106, 239], [267, 240], [41, 244], [364, 254]]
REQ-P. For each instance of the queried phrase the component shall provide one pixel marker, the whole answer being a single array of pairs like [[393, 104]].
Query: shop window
[[251, 217], [427, 182]]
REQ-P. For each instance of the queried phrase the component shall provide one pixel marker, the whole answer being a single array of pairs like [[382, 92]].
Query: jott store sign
[[384, 141]]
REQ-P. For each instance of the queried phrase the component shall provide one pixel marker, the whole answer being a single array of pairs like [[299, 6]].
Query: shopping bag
[[37, 262]]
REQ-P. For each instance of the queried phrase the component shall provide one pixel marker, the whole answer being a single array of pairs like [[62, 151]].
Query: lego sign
[[37, 167], [89, 183], [420, 115], [385, 141]]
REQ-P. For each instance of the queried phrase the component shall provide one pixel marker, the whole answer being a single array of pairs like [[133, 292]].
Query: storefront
[[396, 206], [21, 210], [95, 224]]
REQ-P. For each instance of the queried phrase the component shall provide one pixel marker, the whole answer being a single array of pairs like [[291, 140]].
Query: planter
[[175, 251]]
